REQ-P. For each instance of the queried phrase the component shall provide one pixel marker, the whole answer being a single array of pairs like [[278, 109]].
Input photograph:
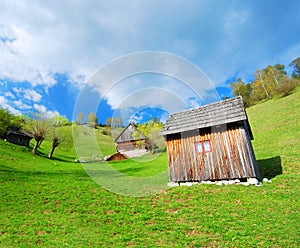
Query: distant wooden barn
[[127, 141], [14, 135], [212, 142]]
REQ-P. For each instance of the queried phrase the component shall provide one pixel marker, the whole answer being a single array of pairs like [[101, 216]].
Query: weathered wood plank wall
[[231, 155], [129, 145], [126, 146]]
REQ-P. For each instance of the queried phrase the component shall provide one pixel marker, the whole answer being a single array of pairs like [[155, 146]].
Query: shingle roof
[[222, 112], [16, 131], [127, 133]]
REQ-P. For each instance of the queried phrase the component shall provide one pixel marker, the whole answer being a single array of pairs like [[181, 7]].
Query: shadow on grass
[[78, 174], [134, 170], [61, 158], [270, 167], [68, 159]]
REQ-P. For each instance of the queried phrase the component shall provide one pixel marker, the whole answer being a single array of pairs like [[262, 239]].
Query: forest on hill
[[268, 83]]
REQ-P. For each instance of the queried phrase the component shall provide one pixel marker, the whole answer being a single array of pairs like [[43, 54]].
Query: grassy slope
[[53, 203], [276, 128]]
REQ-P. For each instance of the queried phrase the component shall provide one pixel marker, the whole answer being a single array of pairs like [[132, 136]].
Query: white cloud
[[20, 105], [4, 103], [16, 66], [223, 38], [54, 39], [9, 95], [28, 94], [17, 90], [78, 37], [31, 94], [152, 78], [44, 112]]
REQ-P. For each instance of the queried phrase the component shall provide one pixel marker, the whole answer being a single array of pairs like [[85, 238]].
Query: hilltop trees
[[114, 122], [92, 120], [109, 121], [242, 89], [119, 121], [296, 67], [80, 118], [268, 82]]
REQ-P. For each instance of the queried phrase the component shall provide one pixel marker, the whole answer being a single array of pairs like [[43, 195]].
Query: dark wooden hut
[[127, 141], [16, 136], [212, 142]]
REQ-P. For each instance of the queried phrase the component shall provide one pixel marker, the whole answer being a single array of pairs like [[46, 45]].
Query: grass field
[[54, 203]]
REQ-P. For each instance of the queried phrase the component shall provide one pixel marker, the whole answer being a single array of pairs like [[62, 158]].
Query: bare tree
[[58, 132], [38, 128], [80, 118]]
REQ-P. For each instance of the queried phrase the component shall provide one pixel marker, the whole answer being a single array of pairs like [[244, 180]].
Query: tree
[[280, 83], [296, 67], [263, 85], [8, 119], [92, 120], [119, 121], [242, 89], [80, 118], [151, 130], [58, 121], [281, 69], [156, 120], [114, 122], [109, 121], [38, 128], [225, 97], [287, 85], [58, 133], [272, 75], [269, 82]]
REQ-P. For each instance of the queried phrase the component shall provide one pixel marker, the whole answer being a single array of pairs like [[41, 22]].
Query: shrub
[[106, 131], [287, 86]]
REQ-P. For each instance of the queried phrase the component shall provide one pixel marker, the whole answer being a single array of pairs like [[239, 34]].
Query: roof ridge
[[217, 113], [207, 105]]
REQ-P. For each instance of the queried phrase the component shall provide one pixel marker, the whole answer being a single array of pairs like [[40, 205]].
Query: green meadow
[[55, 203]]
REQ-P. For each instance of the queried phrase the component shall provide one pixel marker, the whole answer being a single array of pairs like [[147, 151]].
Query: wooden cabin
[[212, 142], [14, 135], [127, 141]]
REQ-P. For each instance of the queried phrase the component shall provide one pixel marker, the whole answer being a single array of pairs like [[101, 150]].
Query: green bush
[[8, 119]]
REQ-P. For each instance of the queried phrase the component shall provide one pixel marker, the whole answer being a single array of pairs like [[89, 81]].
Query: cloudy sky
[[63, 57]]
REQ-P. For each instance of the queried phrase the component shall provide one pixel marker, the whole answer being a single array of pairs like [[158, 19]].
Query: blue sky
[[50, 50]]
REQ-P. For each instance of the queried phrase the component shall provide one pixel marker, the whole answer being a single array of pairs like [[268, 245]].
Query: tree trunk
[[152, 150], [55, 144], [275, 77], [34, 150], [267, 94], [40, 142], [51, 152]]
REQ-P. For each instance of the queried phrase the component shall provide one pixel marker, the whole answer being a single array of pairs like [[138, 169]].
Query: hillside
[[276, 128], [54, 203]]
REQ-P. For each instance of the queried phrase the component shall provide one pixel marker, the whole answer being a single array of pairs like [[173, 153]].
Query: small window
[[199, 147], [203, 146], [206, 145]]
